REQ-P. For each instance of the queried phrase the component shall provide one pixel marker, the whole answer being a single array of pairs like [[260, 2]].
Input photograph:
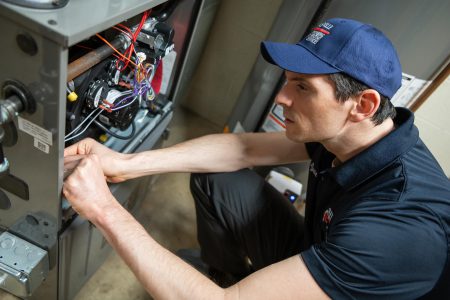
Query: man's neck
[[358, 139]]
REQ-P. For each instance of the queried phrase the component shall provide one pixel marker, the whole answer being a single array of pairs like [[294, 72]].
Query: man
[[378, 204]]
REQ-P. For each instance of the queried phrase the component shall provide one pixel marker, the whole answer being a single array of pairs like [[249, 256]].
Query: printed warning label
[[35, 131], [274, 121]]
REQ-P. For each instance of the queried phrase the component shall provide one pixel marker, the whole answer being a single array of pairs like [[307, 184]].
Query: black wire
[[133, 129]]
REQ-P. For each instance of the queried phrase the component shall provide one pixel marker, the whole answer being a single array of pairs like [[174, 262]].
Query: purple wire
[[139, 89]]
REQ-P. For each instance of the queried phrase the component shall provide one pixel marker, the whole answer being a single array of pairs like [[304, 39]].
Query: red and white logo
[[327, 216], [319, 32]]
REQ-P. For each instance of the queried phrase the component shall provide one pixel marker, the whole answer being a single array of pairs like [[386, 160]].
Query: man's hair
[[347, 87]]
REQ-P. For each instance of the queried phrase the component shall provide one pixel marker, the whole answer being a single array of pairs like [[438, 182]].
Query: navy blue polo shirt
[[378, 226]]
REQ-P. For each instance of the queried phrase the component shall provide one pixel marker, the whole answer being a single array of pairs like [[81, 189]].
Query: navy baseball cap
[[342, 45]]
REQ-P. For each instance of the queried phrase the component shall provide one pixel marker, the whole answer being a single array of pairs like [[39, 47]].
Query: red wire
[[104, 108], [126, 28], [123, 31], [112, 47], [129, 34], [130, 49]]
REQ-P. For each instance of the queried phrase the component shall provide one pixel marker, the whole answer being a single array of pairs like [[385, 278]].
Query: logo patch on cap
[[319, 32]]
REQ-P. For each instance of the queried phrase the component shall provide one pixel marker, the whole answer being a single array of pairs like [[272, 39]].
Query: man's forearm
[[211, 153], [216, 153], [164, 275]]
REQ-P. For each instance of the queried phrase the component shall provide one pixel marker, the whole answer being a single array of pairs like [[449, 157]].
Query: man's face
[[312, 112]]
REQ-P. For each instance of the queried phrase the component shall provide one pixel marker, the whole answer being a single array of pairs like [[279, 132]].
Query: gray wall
[[230, 52]]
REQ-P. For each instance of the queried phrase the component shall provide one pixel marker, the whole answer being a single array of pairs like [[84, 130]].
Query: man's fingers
[[82, 147], [72, 158], [68, 169], [71, 150], [70, 163]]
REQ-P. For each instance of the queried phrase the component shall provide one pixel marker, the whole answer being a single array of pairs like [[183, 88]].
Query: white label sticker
[[41, 146], [36, 131], [410, 89]]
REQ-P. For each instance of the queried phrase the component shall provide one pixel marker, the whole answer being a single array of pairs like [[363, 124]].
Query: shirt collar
[[379, 155]]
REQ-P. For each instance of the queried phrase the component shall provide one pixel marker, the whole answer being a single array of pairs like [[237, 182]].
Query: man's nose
[[282, 98]]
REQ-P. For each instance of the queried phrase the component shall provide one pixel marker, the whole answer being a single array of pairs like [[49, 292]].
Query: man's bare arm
[[210, 153], [217, 153]]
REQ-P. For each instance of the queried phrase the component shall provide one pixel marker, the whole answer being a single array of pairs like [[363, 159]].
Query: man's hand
[[86, 189], [109, 160]]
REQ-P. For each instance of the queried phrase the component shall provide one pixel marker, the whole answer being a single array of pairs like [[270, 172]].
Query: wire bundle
[[133, 36], [143, 75], [71, 136], [139, 86]]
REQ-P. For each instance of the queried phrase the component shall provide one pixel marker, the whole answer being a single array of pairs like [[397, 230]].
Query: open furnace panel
[[103, 69]]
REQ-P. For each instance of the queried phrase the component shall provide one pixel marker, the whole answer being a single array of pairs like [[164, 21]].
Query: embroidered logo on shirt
[[318, 33], [327, 216], [312, 169]]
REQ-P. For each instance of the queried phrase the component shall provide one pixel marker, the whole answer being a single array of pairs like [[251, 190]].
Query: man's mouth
[[287, 120]]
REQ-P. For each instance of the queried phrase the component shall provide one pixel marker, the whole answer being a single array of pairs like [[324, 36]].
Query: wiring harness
[[111, 93]]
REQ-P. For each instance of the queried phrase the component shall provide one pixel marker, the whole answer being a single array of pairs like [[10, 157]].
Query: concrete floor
[[167, 213]]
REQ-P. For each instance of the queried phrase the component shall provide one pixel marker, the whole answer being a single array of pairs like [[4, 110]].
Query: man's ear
[[366, 105]]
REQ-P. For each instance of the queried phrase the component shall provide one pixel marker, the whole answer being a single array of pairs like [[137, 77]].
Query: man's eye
[[301, 87]]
